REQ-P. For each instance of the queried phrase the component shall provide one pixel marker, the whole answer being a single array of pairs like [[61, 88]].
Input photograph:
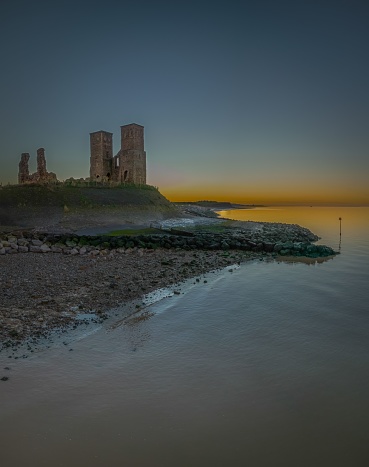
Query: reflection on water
[[262, 365], [304, 260]]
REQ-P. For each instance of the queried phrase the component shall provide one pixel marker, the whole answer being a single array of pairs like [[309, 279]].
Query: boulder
[[35, 248], [36, 242]]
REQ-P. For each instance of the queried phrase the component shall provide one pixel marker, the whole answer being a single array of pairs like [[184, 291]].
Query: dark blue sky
[[255, 101]]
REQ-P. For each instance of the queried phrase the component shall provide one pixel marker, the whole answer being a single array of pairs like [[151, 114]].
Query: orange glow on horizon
[[275, 196]]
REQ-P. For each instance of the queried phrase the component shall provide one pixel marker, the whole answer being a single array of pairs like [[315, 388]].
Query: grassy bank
[[30, 206]]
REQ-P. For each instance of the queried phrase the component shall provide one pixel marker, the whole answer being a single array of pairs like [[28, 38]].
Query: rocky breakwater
[[273, 238]]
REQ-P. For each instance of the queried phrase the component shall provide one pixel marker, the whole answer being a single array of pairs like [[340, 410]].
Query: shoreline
[[69, 292], [47, 281], [47, 292]]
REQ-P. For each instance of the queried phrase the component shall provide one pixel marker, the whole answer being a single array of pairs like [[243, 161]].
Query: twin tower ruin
[[40, 176], [128, 166]]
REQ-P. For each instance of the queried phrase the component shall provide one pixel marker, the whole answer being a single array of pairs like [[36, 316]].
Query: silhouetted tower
[[101, 158], [41, 162], [130, 162], [23, 173]]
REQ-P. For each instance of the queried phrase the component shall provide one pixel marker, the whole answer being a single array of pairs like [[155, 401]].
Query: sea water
[[266, 364]]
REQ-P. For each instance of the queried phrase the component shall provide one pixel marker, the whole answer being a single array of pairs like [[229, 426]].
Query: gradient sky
[[256, 102]]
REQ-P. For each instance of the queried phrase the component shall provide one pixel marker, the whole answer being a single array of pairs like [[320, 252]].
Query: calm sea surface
[[263, 365]]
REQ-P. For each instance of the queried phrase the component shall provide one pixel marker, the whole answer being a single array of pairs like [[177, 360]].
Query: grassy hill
[[73, 207]]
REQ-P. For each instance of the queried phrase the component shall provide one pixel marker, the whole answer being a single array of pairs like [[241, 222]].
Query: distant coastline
[[218, 205]]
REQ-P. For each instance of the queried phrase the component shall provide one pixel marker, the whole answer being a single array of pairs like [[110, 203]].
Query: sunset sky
[[254, 102]]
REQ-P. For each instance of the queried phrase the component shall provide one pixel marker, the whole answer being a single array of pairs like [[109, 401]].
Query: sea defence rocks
[[276, 239]]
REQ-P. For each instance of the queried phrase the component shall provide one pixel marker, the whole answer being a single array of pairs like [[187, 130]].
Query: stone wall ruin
[[127, 166], [40, 176]]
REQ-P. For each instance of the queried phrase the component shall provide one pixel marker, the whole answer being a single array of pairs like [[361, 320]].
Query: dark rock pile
[[281, 239]]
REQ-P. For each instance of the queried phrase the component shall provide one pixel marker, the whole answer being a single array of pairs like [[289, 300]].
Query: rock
[[22, 242], [36, 242], [310, 249], [298, 246], [35, 249], [59, 245], [70, 243], [45, 248]]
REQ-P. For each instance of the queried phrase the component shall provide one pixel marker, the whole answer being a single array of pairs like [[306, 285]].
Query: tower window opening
[[125, 175]]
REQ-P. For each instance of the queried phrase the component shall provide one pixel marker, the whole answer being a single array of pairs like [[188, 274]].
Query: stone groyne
[[278, 239]]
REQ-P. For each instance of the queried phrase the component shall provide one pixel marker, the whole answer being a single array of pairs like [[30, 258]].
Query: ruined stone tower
[[128, 166], [41, 163], [41, 176], [130, 162], [101, 146], [23, 173]]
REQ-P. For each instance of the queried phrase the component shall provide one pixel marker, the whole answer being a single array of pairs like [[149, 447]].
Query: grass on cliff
[[27, 205], [73, 196]]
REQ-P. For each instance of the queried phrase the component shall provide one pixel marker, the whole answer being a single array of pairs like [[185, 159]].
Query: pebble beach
[[41, 292]]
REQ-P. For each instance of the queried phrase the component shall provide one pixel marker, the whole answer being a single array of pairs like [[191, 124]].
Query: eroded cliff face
[[41, 176]]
